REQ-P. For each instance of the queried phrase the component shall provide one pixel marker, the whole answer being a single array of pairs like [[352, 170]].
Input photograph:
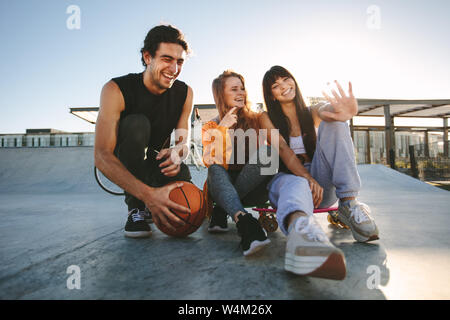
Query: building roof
[[367, 107], [88, 114], [405, 108], [43, 131]]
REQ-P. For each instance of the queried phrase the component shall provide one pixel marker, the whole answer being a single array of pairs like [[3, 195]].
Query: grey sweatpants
[[333, 167]]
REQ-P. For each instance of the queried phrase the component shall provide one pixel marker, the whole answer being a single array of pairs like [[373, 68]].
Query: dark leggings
[[134, 138]]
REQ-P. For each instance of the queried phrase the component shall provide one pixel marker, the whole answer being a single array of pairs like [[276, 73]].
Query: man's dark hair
[[162, 33]]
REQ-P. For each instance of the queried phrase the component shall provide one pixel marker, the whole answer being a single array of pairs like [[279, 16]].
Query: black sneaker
[[218, 221], [148, 216], [254, 237], [136, 227]]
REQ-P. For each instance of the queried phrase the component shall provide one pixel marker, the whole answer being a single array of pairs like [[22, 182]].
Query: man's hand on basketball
[[344, 107], [171, 166], [159, 204]]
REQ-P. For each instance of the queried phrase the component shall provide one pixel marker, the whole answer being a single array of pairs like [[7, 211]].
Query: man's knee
[[185, 173], [157, 179], [136, 128]]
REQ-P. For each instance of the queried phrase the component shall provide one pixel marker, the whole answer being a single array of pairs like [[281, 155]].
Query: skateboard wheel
[[333, 219], [268, 221]]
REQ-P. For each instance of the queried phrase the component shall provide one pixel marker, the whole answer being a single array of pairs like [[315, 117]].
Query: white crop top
[[296, 144]]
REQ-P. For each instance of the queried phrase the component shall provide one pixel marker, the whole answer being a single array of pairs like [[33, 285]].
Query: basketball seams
[[187, 201], [181, 218], [197, 219], [200, 216]]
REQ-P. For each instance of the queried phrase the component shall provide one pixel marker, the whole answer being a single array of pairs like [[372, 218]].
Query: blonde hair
[[246, 117]]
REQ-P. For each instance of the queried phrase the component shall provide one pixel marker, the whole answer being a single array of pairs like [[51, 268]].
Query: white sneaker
[[357, 217], [310, 253]]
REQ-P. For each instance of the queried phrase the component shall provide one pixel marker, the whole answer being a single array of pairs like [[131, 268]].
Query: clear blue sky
[[46, 68]]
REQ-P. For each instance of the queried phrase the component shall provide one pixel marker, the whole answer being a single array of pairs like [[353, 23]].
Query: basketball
[[191, 197]]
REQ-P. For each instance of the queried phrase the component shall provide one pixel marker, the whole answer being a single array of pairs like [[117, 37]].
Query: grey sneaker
[[309, 252], [357, 216]]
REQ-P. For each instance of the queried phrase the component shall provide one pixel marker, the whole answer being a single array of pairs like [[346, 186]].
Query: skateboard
[[268, 220]]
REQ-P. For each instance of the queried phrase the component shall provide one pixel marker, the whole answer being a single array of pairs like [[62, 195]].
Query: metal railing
[[425, 165]]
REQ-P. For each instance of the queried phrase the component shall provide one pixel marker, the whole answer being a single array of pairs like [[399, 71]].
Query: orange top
[[217, 145]]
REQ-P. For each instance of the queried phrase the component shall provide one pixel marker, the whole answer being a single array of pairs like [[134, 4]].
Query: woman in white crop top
[[317, 168]]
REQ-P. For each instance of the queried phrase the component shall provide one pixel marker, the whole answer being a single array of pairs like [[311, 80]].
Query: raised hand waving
[[345, 106]]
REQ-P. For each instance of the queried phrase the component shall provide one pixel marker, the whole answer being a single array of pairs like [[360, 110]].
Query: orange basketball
[[191, 197]]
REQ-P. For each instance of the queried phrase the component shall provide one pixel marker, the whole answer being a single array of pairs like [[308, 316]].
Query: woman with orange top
[[231, 182]]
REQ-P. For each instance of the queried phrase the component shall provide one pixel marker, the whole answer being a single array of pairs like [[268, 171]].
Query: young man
[[138, 113]]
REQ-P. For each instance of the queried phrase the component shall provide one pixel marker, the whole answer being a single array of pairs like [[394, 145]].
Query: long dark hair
[[279, 119]]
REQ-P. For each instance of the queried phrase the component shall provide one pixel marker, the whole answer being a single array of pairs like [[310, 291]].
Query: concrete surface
[[53, 215]]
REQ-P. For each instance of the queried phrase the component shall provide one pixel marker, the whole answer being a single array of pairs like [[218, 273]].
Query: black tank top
[[163, 111]]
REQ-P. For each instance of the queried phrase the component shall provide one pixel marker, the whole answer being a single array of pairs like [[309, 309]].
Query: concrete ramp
[[53, 216], [47, 170]]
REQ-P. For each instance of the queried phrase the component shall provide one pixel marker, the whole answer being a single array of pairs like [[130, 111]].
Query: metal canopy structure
[[404, 108], [88, 114], [367, 108], [387, 108], [206, 111], [390, 109]]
